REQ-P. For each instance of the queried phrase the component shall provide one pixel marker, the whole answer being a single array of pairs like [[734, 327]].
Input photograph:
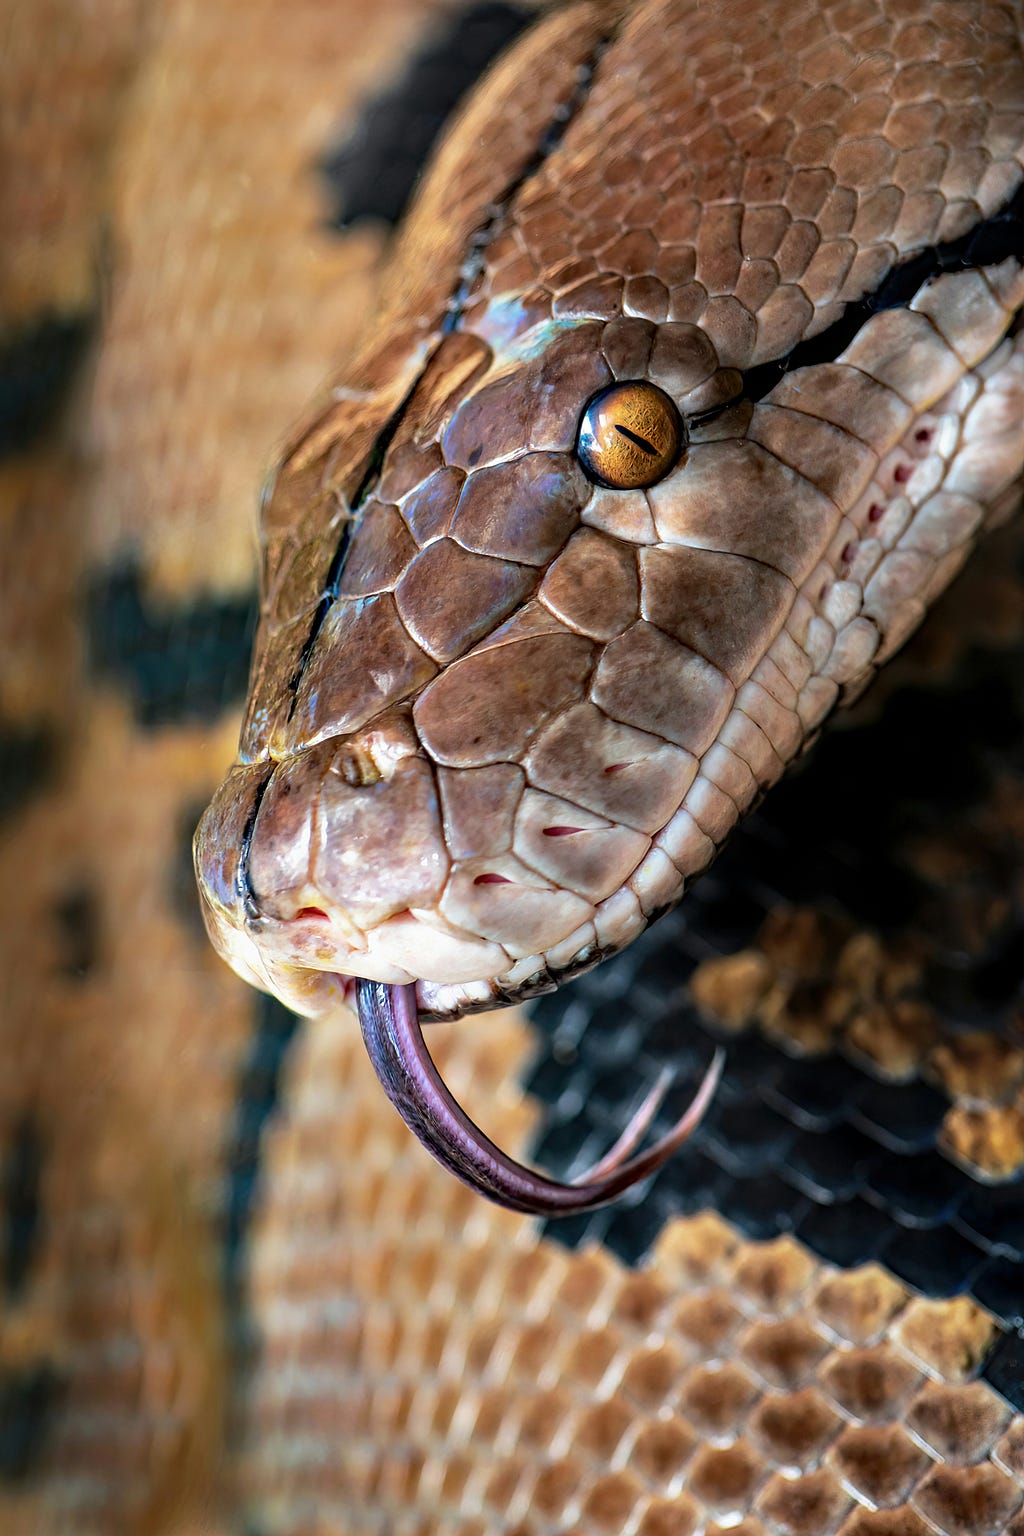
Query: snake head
[[458, 759], [601, 524], [461, 749]]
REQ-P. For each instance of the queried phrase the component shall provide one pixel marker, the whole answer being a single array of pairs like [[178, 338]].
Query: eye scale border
[[651, 425]]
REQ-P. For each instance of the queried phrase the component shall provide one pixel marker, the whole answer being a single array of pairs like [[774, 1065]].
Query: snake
[[235, 1294], [699, 372]]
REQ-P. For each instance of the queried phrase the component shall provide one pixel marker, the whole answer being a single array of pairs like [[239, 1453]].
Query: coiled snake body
[[235, 1294]]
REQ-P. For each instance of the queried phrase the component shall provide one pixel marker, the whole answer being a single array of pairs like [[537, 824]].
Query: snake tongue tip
[[389, 1020]]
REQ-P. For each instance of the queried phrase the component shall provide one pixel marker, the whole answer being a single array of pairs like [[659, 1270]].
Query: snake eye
[[630, 436]]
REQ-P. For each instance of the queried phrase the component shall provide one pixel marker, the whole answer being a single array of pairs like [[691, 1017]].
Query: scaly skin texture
[[400, 1356], [500, 716]]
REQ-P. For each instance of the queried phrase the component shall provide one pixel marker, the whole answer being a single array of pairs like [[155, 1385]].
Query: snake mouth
[[390, 1024], [308, 961]]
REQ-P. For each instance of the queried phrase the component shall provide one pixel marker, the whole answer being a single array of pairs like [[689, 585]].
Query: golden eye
[[630, 436]]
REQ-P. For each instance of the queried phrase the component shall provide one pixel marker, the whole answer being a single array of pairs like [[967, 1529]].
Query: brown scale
[[394, 1378]]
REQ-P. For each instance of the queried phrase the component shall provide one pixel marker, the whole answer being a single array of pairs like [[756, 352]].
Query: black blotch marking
[[28, 759], [1004, 1368], [78, 931], [179, 663], [28, 1398], [259, 1089], [991, 241], [22, 1173], [637, 441], [37, 366], [374, 171]]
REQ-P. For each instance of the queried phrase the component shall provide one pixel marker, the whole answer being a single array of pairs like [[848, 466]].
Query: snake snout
[[330, 865]]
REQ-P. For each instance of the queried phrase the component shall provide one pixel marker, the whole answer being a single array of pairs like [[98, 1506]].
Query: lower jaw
[[311, 991], [314, 993]]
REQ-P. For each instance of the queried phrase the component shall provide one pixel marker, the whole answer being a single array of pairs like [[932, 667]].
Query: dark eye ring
[[630, 436]]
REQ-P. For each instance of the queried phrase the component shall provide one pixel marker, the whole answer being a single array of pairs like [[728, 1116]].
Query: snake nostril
[[316, 912]]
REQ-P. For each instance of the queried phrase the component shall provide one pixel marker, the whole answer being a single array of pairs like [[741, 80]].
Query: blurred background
[[235, 1296]]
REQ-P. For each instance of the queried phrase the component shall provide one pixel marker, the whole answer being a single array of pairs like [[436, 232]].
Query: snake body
[[500, 715], [236, 1295]]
